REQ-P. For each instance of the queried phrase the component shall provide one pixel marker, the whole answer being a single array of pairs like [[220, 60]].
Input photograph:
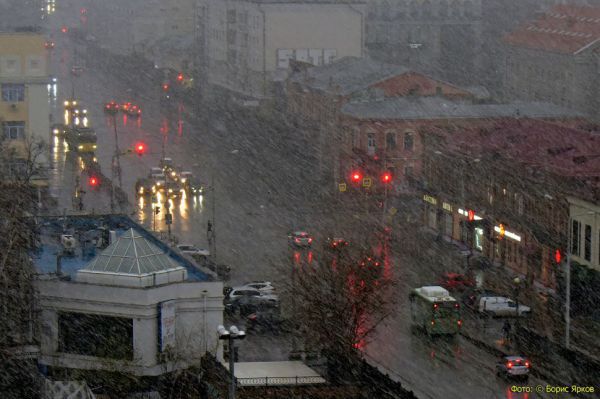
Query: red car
[[456, 281]]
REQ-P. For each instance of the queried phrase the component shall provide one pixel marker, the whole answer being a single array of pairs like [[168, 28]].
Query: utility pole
[[214, 221]]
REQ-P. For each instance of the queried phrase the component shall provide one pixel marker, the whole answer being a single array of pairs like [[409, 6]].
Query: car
[[49, 44], [76, 70], [125, 106], [156, 174], [501, 306], [513, 366], [166, 164], [263, 286], [111, 107], [456, 281], [192, 250], [337, 242], [134, 110], [300, 239], [58, 129]]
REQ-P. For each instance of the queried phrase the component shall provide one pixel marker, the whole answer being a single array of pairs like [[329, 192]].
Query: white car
[[513, 366], [192, 250], [501, 306], [264, 287], [238, 292]]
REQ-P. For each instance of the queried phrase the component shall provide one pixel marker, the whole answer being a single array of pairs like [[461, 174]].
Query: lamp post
[[230, 335]]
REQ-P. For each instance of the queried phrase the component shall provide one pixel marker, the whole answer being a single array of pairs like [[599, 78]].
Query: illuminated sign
[[342, 187], [430, 199], [466, 213], [367, 182], [447, 206], [503, 232]]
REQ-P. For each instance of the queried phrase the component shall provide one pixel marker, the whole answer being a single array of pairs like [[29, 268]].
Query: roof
[[131, 254], [348, 74], [544, 145], [566, 29], [442, 108], [275, 373]]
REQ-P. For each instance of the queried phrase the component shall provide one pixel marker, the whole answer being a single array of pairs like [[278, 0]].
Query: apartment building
[[247, 44], [24, 103]]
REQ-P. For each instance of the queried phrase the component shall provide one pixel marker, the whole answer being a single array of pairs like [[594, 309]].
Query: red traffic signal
[[180, 77], [165, 87], [64, 29], [356, 176], [93, 181], [140, 148], [471, 215], [557, 256], [386, 177]]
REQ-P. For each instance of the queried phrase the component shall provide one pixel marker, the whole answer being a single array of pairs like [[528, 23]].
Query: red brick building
[[502, 188], [388, 135]]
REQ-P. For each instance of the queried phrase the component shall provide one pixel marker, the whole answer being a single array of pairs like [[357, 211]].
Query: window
[[18, 167], [13, 92], [390, 140], [355, 137], [371, 146], [95, 335], [14, 130], [575, 237], [408, 141], [587, 251]]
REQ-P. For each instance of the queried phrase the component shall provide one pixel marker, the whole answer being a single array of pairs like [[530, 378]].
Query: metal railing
[[278, 381]]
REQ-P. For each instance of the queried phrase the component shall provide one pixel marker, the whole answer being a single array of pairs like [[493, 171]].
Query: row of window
[[581, 244], [13, 92], [390, 141]]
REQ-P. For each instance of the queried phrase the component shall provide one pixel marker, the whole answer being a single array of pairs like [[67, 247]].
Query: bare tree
[[337, 305]]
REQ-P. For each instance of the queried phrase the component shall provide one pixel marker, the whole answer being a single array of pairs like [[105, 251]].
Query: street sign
[[342, 187], [367, 182], [168, 218]]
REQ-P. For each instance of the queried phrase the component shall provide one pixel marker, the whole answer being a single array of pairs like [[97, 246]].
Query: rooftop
[[543, 145], [348, 74], [275, 373], [135, 252], [566, 29], [442, 108]]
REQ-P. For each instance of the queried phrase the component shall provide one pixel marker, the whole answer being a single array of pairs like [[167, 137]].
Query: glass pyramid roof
[[131, 254]]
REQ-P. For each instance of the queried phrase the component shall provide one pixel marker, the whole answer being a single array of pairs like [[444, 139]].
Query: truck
[[81, 139]]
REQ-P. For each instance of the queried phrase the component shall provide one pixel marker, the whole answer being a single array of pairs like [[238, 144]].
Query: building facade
[[439, 37], [248, 43], [554, 58], [24, 103], [503, 189]]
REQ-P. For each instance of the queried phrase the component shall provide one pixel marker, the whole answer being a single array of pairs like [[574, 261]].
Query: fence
[[279, 381]]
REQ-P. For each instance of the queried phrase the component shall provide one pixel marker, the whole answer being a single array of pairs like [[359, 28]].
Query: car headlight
[[170, 190], [80, 147], [95, 146]]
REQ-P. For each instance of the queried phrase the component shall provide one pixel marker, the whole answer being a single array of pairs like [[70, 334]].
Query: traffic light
[[356, 177], [64, 29], [180, 77], [557, 256], [140, 148], [93, 181], [386, 178], [156, 210], [165, 87]]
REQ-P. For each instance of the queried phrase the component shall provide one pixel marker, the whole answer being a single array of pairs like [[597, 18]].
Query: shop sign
[[447, 206], [430, 199], [503, 232], [367, 182], [342, 187]]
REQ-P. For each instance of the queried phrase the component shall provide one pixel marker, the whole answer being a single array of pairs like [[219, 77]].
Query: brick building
[[503, 187], [389, 134], [555, 58], [315, 96]]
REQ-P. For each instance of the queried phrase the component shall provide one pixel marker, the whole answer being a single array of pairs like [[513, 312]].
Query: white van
[[501, 306]]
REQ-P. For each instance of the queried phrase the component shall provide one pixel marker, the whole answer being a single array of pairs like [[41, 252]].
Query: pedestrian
[[506, 330]]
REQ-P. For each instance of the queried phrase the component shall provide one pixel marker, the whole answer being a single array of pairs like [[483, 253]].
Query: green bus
[[433, 309]]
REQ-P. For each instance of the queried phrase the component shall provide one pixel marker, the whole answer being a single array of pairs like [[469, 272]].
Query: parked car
[[513, 367], [192, 250], [300, 239], [264, 287], [501, 306], [111, 107], [456, 281], [247, 300], [337, 242]]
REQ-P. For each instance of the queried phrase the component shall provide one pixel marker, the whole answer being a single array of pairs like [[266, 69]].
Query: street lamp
[[231, 335]]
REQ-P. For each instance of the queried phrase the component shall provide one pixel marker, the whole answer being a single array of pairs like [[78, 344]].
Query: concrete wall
[[197, 318]]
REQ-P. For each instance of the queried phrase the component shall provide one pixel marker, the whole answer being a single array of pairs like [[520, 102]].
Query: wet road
[[257, 197]]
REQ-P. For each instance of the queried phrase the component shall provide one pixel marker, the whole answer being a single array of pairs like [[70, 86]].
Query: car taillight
[[459, 323], [509, 365], [527, 364], [309, 240], [456, 305], [432, 322], [297, 239]]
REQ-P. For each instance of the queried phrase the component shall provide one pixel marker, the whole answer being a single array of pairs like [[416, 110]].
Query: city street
[[255, 196]]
